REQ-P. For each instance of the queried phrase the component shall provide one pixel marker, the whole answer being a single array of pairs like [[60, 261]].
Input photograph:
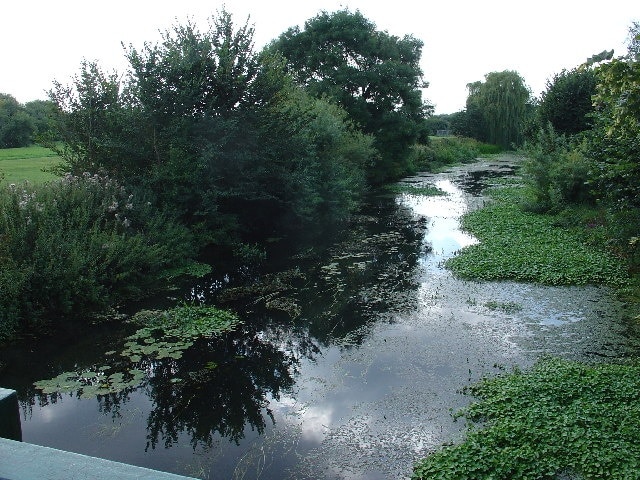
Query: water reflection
[[219, 388]]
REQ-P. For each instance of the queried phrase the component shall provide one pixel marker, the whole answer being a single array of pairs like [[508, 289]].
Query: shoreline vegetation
[[106, 244], [560, 418]]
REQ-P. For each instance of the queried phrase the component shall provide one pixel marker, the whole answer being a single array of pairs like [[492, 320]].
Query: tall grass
[[444, 151]]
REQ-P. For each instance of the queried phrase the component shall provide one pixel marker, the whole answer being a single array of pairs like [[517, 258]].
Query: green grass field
[[27, 163]]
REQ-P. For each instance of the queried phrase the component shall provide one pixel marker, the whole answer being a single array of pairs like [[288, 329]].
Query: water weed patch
[[558, 418], [529, 247], [163, 335], [426, 190]]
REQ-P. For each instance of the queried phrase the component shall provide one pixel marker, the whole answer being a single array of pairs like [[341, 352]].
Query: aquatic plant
[[163, 334], [525, 246], [505, 307], [412, 189], [559, 419]]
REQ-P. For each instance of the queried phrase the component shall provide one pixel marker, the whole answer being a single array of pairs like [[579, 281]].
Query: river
[[350, 362]]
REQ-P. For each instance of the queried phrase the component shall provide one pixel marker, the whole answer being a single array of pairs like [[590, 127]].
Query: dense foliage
[[559, 418], [78, 246], [566, 103], [599, 166], [217, 137], [21, 125], [218, 134], [374, 76]]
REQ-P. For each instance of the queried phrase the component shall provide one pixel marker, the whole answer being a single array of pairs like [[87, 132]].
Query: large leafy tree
[[374, 76], [215, 132], [503, 100], [42, 113], [471, 122], [566, 103], [615, 143]]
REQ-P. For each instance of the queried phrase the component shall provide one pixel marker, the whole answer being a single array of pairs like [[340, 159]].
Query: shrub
[[80, 245], [558, 172], [448, 150]]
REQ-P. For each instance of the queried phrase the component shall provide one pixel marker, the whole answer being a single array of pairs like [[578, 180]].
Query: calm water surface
[[349, 363]]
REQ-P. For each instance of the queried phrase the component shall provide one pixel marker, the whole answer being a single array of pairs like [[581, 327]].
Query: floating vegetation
[[168, 333], [193, 269], [275, 291], [164, 334], [286, 305], [373, 271], [560, 419], [506, 307], [90, 383], [412, 189], [528, 247]]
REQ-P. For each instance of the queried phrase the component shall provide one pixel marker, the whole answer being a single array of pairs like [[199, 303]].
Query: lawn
[[27, 163]]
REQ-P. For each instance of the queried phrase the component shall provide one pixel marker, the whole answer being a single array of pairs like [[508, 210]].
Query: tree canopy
[[566, 103], [16, 126], [496, 110], [194, 123], [374, 76]]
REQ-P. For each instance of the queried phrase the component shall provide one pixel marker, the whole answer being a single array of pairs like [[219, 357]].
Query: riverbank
[[559, 419]]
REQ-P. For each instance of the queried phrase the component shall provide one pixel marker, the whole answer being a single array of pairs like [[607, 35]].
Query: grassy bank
[[560, 419], [445, 151], [27, 164]]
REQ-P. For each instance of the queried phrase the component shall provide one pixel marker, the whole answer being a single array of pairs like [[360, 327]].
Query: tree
[[373, 75], [195, 124], [471, 122], [566, 103], [99, 124], [16, 127], [615, 142], [496, 109], [42, 113], [633, 42]]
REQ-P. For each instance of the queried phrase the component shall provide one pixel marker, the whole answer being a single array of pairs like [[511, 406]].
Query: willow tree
[[503, 101]]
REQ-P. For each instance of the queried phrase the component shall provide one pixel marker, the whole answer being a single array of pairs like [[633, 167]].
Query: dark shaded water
[[349, 362]]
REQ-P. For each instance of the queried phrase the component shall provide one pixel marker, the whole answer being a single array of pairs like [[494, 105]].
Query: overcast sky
[[45, 40]]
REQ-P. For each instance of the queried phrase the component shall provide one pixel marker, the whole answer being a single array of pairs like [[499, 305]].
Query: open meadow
[[27, 163]]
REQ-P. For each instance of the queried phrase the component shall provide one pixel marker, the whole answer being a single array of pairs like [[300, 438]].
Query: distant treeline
[[21, 125]]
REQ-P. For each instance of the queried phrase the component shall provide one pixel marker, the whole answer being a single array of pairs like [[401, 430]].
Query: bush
[[447, 151], [558, 172], [80, 245]]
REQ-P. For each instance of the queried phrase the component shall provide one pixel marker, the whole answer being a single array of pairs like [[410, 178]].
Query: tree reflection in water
[[222, 386]]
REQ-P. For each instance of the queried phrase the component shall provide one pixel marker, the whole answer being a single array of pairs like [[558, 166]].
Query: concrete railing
[[9, 415], [25, 461]]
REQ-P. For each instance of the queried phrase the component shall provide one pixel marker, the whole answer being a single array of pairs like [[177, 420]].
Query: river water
[[350, 362]]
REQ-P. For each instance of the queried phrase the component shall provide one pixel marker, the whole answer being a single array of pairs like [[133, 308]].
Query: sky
[[42, 40]]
